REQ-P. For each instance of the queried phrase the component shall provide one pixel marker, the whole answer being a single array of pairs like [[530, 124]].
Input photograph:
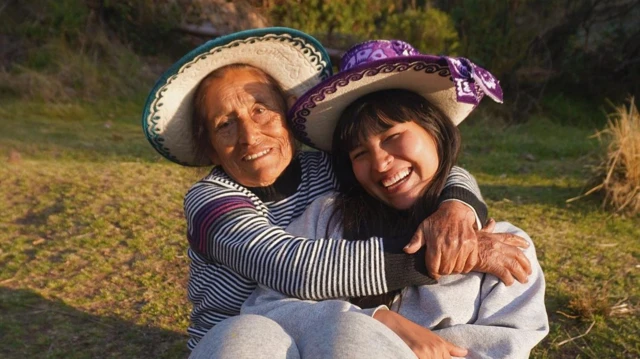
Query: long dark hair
[[361, 215]]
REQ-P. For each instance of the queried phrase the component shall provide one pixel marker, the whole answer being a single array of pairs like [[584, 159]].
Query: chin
[[403, 204]]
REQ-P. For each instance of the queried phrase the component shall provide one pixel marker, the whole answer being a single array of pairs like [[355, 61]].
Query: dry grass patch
[[618, 174]]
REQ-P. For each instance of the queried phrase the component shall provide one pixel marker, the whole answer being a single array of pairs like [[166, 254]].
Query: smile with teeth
[[388, 182], [256, 155]]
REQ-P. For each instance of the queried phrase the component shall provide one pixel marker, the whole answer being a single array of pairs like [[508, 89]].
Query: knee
[[353, 335], [246, 336]]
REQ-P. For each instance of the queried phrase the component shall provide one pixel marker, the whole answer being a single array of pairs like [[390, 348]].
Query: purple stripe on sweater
[[210, 212]]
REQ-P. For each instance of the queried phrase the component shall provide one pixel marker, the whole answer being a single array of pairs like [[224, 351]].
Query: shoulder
[[313, 159], [324, 203], [315, 220], [218, 185]]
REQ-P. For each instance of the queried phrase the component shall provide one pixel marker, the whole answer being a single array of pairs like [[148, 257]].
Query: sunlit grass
[[93, 252]]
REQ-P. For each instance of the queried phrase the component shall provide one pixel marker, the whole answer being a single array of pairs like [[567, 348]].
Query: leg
[[246, 336], [353, 335]]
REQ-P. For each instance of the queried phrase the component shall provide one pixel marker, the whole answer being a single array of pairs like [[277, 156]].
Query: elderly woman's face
[[247, 127]]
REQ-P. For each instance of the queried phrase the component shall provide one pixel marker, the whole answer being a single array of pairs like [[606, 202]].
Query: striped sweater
[[237, 239]]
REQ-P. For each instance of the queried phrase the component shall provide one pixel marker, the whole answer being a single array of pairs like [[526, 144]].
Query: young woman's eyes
[[356, 154], [392, 136]]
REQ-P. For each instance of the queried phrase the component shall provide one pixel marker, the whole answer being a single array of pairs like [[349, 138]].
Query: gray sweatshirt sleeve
[[511, 320]]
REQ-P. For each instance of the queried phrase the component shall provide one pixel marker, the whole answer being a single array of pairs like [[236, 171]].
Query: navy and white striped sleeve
[[461, 186], [225, 227]]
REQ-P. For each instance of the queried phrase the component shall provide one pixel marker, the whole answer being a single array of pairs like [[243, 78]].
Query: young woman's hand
[[450, 237], [423, 342], [500, 254]]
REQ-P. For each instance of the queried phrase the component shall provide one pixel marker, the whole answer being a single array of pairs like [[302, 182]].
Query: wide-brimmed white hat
[[294, 59], [454, 85]]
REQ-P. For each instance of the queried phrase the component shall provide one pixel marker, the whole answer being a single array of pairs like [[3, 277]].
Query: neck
[[284, 186]]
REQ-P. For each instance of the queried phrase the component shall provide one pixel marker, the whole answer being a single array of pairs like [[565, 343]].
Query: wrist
[[454, 208], [383, 315]]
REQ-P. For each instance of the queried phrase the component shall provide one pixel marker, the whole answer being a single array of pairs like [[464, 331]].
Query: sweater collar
[[286, 185]]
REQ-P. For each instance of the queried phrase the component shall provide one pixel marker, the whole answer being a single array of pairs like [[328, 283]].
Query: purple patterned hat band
[[375, 50], [471, 81]]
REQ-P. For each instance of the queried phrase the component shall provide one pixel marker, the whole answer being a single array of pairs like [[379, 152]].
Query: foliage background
[[564, 59]]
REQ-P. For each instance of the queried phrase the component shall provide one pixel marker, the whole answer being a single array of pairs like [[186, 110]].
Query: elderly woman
[[224, 104]]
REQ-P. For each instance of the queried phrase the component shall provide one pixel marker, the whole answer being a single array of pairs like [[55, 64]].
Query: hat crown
[[374, 50]]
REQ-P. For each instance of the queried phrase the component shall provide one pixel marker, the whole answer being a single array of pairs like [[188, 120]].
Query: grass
[[93, 253]]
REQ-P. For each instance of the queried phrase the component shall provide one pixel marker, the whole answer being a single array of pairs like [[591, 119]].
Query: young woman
[[392, 151]]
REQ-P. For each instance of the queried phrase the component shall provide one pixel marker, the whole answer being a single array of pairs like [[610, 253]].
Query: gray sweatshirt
[[474, 311]]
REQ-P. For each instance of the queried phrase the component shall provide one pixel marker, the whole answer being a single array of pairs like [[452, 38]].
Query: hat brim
[[314, 116], [294, 59]]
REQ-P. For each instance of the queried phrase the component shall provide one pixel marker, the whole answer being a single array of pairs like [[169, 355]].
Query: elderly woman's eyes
[[260, 110], [223, 124]]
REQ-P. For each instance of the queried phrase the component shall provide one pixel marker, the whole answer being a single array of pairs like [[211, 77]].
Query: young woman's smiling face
[[396, 165]]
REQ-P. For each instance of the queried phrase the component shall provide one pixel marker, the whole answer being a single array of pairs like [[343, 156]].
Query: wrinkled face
[[395, 166], [247, 127]]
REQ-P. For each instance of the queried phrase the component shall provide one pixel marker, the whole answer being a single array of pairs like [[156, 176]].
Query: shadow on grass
[[556, 196], [32, 326]]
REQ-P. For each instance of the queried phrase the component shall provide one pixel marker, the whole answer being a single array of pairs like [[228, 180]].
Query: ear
[[290, 101]]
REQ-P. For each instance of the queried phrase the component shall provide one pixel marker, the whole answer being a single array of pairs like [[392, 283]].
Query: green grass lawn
[[93, 252]]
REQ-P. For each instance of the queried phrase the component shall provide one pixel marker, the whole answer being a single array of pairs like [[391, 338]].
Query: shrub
[[618, 174], [103, 69], [342, 23], [430, 31], [68, 50]]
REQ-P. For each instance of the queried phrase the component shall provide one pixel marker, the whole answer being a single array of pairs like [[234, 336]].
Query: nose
[[248, 131], [382, 160]]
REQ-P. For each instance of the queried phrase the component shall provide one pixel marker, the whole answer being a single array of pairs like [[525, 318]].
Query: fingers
[[472, 260], [449, 261], [512, 240], [504, 275], [455, 351], [461, 263], [432, 259], [524, 263], [514, 264], [416, 242], [490, 226]]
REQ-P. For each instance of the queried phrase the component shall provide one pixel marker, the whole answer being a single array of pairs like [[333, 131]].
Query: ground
[[93, 247]]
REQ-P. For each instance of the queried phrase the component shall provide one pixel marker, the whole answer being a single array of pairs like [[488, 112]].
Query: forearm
[[461, 186], [226, 228]]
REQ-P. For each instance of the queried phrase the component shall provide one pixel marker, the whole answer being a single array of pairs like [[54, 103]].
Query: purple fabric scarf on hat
[[464, 73]]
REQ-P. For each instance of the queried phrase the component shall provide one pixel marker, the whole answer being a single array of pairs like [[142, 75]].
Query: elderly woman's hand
[[454, 245], [500, 254], [450, 237]]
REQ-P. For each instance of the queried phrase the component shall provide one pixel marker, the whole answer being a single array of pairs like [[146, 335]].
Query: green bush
[[430, 31], [146, 24], [337, 23], [68, 50]]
